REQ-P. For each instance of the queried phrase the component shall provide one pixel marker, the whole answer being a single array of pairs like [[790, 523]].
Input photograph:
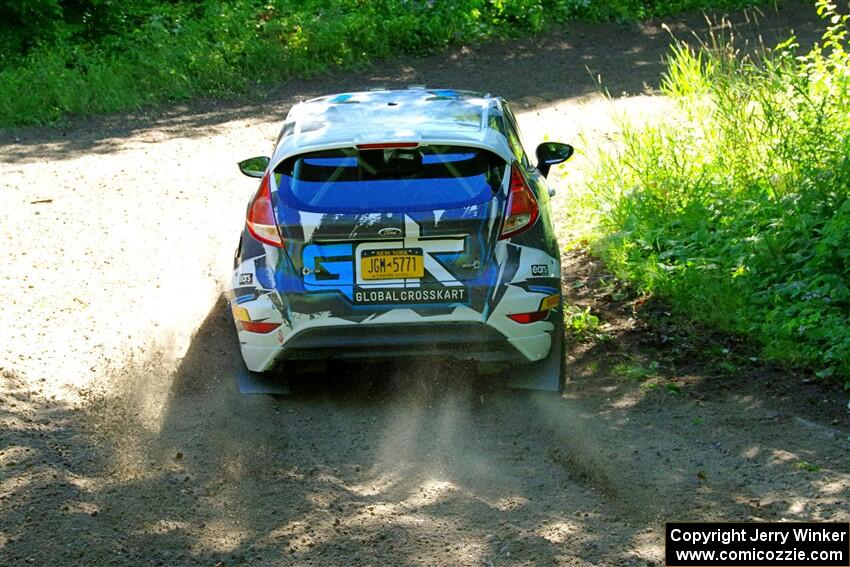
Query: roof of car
[[427, 116]]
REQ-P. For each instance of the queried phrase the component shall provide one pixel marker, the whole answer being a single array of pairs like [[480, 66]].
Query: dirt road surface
[[123, 440]]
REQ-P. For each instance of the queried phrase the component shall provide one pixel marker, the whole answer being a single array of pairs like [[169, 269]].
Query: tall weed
[[737, 208]]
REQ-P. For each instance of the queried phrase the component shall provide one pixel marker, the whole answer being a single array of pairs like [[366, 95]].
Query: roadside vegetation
[[59, 58], [736, 208]]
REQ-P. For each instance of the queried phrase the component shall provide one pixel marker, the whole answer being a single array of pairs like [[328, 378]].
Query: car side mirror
[[255, 166], [552, 153]]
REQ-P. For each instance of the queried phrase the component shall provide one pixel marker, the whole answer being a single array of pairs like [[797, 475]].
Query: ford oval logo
[[390, 231]]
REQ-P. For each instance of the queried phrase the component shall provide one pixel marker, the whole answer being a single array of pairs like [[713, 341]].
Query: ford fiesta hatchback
[[401, 223]]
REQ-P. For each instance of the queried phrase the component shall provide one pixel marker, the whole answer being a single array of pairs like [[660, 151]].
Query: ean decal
[[539, 270]]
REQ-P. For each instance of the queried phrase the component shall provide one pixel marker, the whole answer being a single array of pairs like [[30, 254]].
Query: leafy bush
[[737, 208], [581, 323], [91, 56]]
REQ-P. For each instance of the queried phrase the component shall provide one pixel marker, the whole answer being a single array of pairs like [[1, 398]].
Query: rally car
[[400, 223]]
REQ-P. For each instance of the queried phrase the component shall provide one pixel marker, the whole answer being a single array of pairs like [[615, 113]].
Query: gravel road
[[123, 439]]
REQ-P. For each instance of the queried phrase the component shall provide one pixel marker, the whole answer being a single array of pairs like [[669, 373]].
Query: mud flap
[[547, 375], [250, 382]]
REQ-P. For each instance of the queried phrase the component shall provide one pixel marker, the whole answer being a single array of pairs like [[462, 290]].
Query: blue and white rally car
[[399, 223]]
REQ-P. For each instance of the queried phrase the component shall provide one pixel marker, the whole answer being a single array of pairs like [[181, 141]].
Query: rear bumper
[[461, 341], [465, 341]]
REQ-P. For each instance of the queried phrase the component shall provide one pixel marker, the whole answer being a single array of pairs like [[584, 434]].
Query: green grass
[[736, 208], [636, 372], [59, 58], [808, 467]]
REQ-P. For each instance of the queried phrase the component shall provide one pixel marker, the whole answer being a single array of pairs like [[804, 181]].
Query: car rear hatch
[[392, 217]]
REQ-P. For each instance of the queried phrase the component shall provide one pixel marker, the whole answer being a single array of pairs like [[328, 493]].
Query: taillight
[[546, 305], [241, 316], [521, 210], [258, 326], [261, 222], [526, 318]]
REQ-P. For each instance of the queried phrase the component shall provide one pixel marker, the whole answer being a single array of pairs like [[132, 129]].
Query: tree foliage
[[90, 56]]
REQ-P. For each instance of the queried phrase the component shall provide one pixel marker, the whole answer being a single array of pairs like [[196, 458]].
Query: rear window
[[383, 180]]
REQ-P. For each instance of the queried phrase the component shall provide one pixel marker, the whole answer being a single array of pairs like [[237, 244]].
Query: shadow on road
[[389, 467]]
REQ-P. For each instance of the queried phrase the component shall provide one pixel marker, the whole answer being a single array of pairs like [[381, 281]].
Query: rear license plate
[[390, 264]]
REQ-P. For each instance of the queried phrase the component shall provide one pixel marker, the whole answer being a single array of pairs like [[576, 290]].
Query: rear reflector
[[388, 146], [550, 301], [240, 313], [521, 210], [526, 318], [258, 326], [261, 222]]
